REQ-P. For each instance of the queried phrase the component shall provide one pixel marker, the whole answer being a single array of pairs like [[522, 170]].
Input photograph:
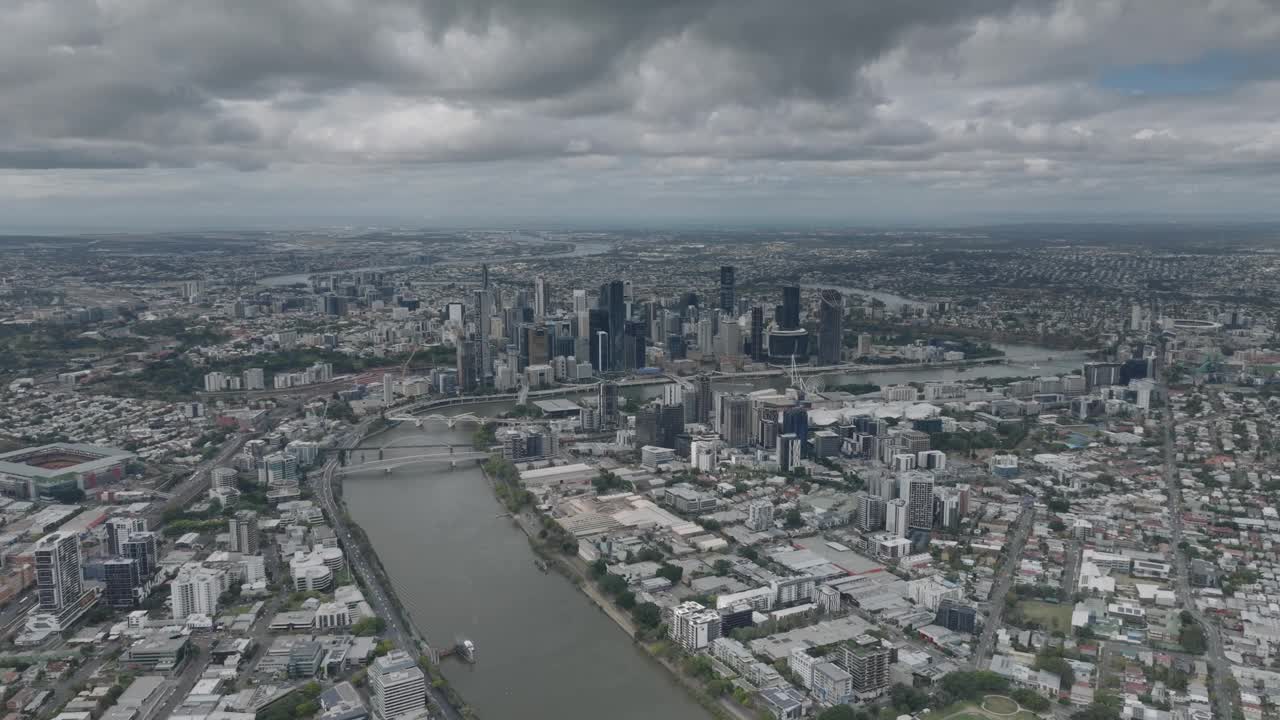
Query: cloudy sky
[[142, 114]]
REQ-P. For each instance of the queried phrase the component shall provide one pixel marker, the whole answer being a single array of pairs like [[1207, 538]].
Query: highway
[[1223, 696], [1001, 586], [397, 632]]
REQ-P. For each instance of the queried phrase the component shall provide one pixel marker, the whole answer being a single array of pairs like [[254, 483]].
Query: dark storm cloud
[[623, 94]]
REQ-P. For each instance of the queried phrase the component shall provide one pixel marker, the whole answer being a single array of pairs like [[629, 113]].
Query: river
[[543, 648]]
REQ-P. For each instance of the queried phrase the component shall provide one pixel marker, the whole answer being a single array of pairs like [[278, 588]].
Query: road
[[1071, 569], [397, 632], [1000, 588], [1223, 696]]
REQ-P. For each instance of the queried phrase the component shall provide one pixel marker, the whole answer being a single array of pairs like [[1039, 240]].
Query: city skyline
[[141, 116]]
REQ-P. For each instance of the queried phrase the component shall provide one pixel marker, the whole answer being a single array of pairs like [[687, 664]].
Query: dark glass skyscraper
[[790, 317], [728, 298], [830, 330], [613, 302]]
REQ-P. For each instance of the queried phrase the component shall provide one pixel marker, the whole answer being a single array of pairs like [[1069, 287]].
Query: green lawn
[[1049, 615], [999, 705]]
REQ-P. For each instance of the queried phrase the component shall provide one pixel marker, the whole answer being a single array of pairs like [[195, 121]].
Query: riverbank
[[575, 570]]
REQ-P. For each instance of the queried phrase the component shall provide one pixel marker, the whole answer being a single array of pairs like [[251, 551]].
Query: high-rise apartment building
[[196, 591], [760, 515], [867, 661], [120, 528], [144, 548], [254, 379], [398, 687], [917, 489], [59, 578], [243, 528], [871, 509], [693, 626]]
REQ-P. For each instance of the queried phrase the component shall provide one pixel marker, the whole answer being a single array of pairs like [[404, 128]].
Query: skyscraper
[[757, 334], [608, 400], [789, 341], [734, 419], [468, 364], [790, 319], [728, 298], [613, 303], [702, 398], [541, 297], [830, 331]]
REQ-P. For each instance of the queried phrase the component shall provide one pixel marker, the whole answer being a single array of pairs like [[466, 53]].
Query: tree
[[792, 519], [1030, 699], [722, 566], [1059, 504], [647, 614], [838, 712], [364, 627], [627, 600], [1192, 638], [1097, 711], [613, 584], [599, 568], [1057, 665], [908, 699], [671, 572]]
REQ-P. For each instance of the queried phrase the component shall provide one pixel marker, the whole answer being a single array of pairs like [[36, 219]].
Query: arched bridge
[[390, 464], [452, 420]]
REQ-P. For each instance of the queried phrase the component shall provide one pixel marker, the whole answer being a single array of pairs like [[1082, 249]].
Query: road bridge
[[410, 445], [390, 464], [453, 420]]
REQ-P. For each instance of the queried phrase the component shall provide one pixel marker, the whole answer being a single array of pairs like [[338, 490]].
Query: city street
[[1001, 586], [1223, 682]]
